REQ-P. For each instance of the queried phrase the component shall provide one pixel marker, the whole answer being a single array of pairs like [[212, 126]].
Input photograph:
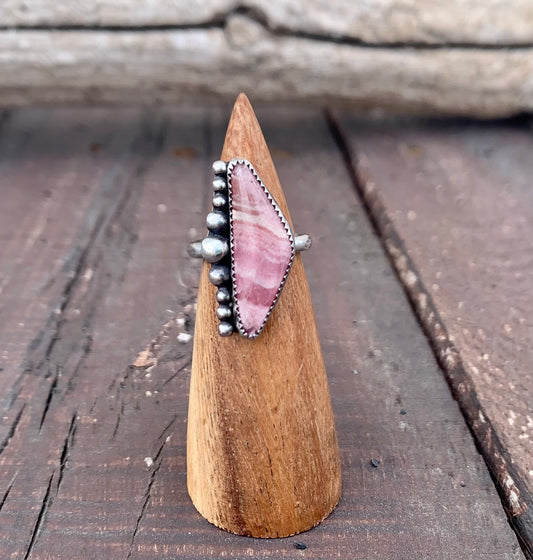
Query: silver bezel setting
[[218, 248], [236, 315]]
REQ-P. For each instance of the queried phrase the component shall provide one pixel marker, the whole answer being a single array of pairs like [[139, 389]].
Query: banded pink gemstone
[[262, 250]]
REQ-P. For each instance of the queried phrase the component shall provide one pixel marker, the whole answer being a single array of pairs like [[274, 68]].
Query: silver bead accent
[[224, 312], [214, 249], [220, 200], [219, 166], [219, 184], [216, 221], [223, 295], [302, 242], [225, 329], [218, 274]]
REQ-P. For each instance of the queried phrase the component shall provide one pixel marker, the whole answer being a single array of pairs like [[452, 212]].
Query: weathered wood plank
[[56, 390], [48, 218], [133, 67], [52, 191], [493, 22], [104, 476], [454, 205]]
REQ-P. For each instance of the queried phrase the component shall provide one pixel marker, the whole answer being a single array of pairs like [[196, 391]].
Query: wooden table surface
[[421, 280]]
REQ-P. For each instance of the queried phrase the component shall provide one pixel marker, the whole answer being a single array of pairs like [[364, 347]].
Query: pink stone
[[262, 250]]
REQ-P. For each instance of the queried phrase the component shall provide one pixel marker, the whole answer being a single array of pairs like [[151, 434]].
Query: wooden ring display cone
[[262, 453]]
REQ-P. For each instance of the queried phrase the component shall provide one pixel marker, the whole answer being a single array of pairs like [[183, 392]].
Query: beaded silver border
[[237, 318]]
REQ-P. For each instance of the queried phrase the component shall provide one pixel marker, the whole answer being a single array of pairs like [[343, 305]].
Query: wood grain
[[453, 203], [213, 64], [484, 22], [262, 453], [105, 475]]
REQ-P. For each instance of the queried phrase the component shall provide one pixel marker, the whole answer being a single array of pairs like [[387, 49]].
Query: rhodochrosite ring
[[250, 246]]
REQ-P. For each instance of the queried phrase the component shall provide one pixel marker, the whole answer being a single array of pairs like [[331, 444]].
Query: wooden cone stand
[[262, 454]]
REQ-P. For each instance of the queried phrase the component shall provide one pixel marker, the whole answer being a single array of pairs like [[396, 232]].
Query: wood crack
[[68, 290], [407, 65], [176, 373], [53, 486], [119, 419], [86, 350], [156, 465], [67, 448], [12, 429], [7, 492], [51, 391], [51, 333], [255, 14], [46, 503]]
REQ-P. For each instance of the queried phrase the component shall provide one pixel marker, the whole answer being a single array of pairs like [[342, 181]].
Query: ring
[[250, 246]]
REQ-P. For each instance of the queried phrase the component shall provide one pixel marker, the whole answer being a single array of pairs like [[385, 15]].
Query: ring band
[[250, 246], [301, 243]]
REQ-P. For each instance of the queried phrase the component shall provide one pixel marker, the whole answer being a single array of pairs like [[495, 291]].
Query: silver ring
[[250, 246]]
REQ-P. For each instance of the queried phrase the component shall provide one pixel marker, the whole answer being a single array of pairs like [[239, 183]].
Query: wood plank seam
[[515, 497]]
